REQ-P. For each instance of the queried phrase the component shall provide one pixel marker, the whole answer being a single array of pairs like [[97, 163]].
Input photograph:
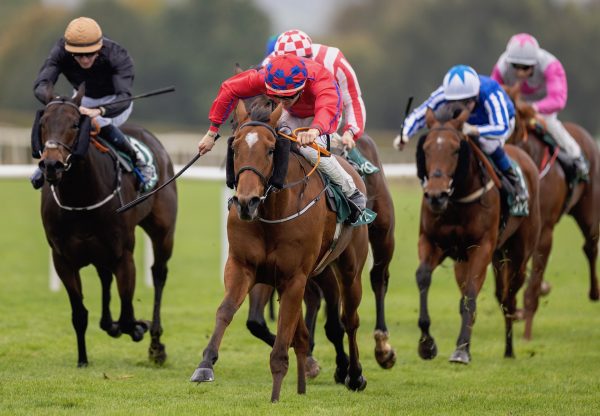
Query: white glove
[[348, 139], [400, 141], [307, 137], [207, 142], [470, 130]]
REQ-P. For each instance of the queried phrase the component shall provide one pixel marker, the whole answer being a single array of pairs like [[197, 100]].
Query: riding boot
[[357, 202], [37, 178], [113, 134], [582, 169], [521, 194]]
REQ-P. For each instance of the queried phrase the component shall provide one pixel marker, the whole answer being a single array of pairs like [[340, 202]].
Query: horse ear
[[238, 69], [461, 118], [275, 116], [241, 113], [80, 93], [430, 119], [49, 94]]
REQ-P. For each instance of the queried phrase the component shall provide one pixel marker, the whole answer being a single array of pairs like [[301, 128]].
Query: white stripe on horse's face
[[439, 140], [251, 138]]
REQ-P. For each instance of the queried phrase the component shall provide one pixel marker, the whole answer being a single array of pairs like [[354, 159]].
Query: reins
[[54, 144], [264, 180]]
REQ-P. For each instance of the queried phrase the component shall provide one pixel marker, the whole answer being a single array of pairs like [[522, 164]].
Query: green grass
[[556, 373]]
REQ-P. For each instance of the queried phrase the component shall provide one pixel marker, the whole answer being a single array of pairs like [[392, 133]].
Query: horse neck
[[88, 180], [286, 202]]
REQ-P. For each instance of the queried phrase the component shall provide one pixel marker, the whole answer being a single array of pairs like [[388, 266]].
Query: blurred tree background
[[398, 49]]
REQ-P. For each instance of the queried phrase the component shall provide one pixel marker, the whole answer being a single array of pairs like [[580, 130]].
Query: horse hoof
[[594, 295], [386, 359], [460, 356], [157, 353], [545, 288], [312, 368], [340, 375], [427, 348], [519, 315], [356, 385], [138, 333], [114, 330], [83, 364], [203, 374]]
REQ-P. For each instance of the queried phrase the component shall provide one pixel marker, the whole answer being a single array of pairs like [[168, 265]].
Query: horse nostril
[[253, 204]]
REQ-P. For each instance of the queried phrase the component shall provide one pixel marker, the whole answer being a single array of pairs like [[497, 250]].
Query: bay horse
[[556, 199], [84, 186], [460, 219], [282, 239], [381, 239]]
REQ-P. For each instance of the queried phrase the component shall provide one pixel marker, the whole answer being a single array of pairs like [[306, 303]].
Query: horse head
[[253, 146], [63, 132], [442, 157]]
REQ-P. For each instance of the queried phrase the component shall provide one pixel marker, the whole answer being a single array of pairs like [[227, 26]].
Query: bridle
[[55, 144], [265, 181]]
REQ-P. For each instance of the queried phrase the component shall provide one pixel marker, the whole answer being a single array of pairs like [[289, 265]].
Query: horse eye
[[271, 151], [76, 126]]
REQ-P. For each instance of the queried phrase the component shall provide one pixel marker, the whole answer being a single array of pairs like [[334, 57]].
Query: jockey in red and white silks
[[354, 113], [543, 84]]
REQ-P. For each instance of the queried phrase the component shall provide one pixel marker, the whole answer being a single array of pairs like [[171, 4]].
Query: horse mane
[[449, 111], [261, 108]]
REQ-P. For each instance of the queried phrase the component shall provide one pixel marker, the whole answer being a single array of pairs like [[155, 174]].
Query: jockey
[[492, 117], [309, 96], [84, 55], [544, 84], [299, 43]]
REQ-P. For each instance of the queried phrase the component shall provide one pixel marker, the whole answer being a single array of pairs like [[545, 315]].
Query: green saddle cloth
[[343, 208], [362, 165]]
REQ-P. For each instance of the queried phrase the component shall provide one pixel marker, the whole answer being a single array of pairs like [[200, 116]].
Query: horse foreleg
[[301, 349], [531, 297], [258, 298], [79, 314], [430, 256], [125, 273], [382, 246], [106, 321], [290, 313], [470, 276], [157, 351], [590, 231], [312, 300], [237, 284]]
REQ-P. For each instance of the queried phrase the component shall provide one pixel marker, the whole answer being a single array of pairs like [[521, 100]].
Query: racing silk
[[111, 75], [320, 98], [546, 89], [492, 113], [355, 115]]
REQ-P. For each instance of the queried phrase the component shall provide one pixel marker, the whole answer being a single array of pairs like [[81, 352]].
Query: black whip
[[148, 94], [149, 194]]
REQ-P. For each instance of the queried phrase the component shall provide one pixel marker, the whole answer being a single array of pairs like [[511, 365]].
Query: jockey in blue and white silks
[[492, 116]]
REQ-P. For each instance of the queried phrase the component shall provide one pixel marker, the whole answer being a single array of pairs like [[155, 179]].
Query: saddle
[[125, 161]]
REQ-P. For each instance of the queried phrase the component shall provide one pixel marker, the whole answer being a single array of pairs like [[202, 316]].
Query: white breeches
[[490, 144], [105, 121], [561, 135], [327, 165]]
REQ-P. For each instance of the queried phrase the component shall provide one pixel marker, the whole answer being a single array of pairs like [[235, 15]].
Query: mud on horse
[[460, 219], [270, 243], [557, 198], [84, 186]]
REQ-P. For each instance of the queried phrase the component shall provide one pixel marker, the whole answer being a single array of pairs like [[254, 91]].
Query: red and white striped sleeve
[[353, 104]]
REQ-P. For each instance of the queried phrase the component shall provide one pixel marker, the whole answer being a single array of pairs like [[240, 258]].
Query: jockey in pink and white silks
[[354, 115], [544, 85]]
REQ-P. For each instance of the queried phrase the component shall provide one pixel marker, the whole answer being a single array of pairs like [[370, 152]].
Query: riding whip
[[148, 94], [406, 113], [149, 194]]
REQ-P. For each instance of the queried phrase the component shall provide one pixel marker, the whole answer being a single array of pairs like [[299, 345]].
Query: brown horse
[[84, 187], [581, 202], [381, 238], [460, 218], [282, 239]]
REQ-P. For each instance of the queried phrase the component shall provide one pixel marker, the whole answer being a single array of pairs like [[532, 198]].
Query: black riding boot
[[521, 193], [357, 202], [582, 169], [37, 178], [115, 136]]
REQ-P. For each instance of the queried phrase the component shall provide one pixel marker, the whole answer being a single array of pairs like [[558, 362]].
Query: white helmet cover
[[461, 82], [522, 49]]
